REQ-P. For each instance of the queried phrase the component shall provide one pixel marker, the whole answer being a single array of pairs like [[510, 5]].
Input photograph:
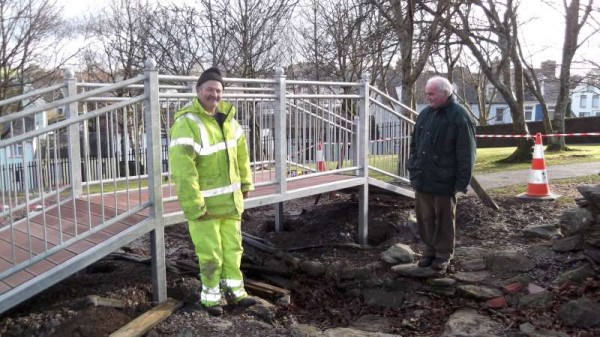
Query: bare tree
[[122, 34], [576, 17], [417, 31], [496, 22], [217, 42], [252, 30], [31, 48], [176, 39], [532, 80]]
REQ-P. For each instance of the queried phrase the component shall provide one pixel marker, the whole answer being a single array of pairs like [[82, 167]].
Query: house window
[[583, 101], [584, 114], [499, 114], [596, 101], [528, 113], [15, 150]]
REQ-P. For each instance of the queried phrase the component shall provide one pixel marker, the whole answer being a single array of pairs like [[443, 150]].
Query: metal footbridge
[[84, 169]]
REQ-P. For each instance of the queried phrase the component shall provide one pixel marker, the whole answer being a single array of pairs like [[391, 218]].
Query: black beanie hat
[[210, 74]]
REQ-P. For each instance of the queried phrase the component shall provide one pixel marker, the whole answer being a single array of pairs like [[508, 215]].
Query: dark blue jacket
[[442, 150]]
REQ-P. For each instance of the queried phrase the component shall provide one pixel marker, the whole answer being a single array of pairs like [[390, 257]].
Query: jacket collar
[[227, 108]]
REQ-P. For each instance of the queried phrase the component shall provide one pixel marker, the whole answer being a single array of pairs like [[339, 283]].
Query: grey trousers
[[436, 216]]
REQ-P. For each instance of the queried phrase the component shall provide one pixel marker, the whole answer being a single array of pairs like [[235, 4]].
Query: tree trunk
[[570, 45]]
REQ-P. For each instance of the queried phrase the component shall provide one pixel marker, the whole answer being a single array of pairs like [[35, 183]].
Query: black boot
[[215, 310], [246, 302]]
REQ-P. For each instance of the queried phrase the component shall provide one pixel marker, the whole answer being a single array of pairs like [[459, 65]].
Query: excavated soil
[[324, 232]]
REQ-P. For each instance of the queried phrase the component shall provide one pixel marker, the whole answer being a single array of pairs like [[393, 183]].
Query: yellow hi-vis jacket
[[210, 165]]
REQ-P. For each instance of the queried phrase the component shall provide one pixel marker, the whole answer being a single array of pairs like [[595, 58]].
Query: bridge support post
[[279, 113], [74, 148], [363, 160], [154, 163]]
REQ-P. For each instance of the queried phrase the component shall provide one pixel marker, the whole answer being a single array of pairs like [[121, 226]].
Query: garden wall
[[572, 125]]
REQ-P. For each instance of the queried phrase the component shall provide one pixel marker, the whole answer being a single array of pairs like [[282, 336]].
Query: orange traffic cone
[[537, 185], [321, 164]]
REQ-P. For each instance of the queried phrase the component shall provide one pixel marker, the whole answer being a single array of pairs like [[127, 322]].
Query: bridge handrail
[[225, 95], [390, 110], [393, 100], [225, 79], [70, 99], [175, 87], [321, 118], [70, 121], [340, 84], [33, 93]]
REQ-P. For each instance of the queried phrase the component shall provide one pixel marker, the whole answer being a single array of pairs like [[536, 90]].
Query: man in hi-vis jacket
[[208, 159]]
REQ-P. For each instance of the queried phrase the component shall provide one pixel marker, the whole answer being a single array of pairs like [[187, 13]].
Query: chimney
[[548, 69]]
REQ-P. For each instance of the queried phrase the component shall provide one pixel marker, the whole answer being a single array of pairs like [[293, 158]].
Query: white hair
[[442, 83]]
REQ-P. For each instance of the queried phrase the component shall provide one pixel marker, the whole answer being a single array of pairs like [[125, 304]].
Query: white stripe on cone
[[537, 177], [538, 152]]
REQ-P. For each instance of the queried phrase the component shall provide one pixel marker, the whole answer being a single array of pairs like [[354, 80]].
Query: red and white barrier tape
[[547, 135]]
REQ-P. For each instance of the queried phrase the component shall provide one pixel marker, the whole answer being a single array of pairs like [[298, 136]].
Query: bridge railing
[[315, 132], [60, 142], [390, 131]]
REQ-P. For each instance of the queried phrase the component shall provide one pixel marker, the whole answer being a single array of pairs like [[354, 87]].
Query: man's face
[[209, 94], [436, 97]]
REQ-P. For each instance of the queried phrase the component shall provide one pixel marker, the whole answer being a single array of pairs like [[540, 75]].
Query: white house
[[585, 101]]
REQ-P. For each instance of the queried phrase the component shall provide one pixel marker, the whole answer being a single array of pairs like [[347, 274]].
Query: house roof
[[467, 88]]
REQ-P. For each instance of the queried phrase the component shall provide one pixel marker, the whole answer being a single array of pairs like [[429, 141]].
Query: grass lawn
[[487, 158], [555, 184]]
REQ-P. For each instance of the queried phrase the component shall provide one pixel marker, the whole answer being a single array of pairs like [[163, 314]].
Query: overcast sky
[[542, 33]]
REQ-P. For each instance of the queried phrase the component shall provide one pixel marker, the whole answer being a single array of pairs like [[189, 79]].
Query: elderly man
[[208, 158], [442, 155]]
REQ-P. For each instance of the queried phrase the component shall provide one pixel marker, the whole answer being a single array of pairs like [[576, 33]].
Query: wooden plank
[[98, 301], [40, 267], [18, 278], [20, 254], [51, 233], [148, 320], [22, 240], [80, 246], [482, 194], [60, 256], [265, 289]]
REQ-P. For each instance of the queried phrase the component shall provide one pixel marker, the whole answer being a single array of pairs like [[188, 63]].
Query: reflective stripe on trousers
[[210, 295]]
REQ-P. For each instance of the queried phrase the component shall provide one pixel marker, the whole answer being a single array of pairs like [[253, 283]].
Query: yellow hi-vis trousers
[[218, 245]]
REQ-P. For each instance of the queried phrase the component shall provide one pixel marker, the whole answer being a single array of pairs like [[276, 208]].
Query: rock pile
[[581, 226], [581, 229], [503, 281]]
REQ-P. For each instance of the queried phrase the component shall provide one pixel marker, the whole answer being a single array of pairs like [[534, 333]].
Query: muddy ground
[[63, 310]]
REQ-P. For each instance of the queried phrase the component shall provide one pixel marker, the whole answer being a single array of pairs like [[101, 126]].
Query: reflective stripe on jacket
[[209, 164]]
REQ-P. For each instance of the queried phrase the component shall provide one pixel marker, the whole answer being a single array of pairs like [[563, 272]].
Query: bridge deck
[[54, 226]]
